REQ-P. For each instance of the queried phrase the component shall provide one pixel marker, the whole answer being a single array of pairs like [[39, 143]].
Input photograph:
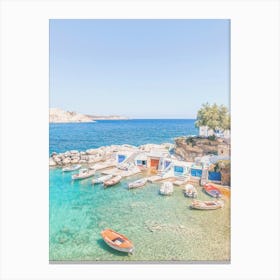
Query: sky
[[139, 68]]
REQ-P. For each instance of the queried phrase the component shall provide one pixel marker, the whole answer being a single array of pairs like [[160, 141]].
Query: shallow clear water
[[161, 228]]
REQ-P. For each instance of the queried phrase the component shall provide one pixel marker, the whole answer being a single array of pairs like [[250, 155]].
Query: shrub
[[212, 137]]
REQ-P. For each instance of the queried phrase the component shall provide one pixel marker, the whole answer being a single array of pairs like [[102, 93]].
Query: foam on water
[[161, 228]]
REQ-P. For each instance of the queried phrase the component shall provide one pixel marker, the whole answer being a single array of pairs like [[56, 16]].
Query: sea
[[83, 136], [163, 229]]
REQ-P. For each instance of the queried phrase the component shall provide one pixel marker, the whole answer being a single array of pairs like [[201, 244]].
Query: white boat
[[101, 179], [166, 188], [190, 191], [113, 181], [71, 168], [207, 205], [83, 174], [138, 183]]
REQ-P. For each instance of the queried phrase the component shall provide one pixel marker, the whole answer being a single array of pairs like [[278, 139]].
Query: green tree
[[214, 116]]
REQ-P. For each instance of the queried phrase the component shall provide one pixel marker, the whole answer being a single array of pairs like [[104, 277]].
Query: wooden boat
[[101, 179], [138, 183], [117, 241], [83, 174], [113, 181], [71, 168], [207, 205], [166, 188], [190, 191], [212, 190]]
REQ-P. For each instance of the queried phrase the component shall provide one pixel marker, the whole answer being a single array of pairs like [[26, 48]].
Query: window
[[179, 169]]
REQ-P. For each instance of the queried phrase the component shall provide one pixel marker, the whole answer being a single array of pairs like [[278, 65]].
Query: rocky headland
[[60, 116]]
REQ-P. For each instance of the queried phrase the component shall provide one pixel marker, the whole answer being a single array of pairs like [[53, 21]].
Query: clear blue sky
[[139, 68]]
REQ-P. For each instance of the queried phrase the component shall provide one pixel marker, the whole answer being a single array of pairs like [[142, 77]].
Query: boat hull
[[112, 182], [83, 176], [190, 191], [165, 193], [137, 184], [125, 250], [207, 205], [166, 188], [191, 195], [70, 169], [212, 191], [101, 180], [117, 241]]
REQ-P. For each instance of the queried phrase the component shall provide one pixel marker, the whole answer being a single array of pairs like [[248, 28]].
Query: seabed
[[162, 228]]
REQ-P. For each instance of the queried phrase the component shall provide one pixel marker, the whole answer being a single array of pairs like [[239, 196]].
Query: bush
[[212, 137], [190, 141]]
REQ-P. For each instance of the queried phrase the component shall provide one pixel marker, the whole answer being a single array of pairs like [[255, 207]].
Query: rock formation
[[188, 148], [60, 116]]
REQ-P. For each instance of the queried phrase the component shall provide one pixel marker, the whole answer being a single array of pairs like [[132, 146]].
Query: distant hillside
[[111, 117], [60, 116]]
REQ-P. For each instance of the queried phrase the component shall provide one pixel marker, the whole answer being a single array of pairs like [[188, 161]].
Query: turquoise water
[[161, 228], [82, 136]]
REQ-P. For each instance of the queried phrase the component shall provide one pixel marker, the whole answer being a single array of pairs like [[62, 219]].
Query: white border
[[24, 137]]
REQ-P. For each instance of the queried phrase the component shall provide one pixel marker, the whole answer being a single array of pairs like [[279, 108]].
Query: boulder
[[75, 160], [52, 162], [82, 161], [91, 157], [57, 159], [92, 151], [66, 160], [84, 157], [67, 154]]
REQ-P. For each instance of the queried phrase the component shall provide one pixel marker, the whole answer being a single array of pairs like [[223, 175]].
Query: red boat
[[212, 190]]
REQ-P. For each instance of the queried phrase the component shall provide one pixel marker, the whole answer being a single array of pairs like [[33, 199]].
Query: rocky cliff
[[188, 148], [60, 116]]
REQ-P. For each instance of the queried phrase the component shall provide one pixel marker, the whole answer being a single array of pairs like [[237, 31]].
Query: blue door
[[214, 176], [196, 172]]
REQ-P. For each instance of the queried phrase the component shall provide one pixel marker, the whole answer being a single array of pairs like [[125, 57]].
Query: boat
[[212, 190], [117, 241], [83, 174], [71, 168], [101, 179], [113, 181], [207, 205], [138, 183], [190, 191], [166, 188]]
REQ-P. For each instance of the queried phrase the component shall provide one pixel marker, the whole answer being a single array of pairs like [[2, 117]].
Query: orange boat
[[117, 241]]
